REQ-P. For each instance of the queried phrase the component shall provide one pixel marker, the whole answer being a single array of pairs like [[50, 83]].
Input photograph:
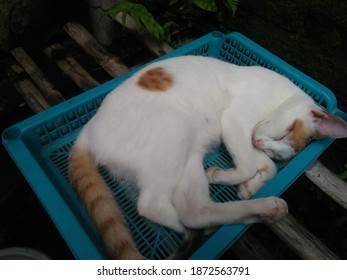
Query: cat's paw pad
[[211, 174], [276, 209]]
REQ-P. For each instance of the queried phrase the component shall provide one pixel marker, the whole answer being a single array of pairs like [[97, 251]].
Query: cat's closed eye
[[279, 138]]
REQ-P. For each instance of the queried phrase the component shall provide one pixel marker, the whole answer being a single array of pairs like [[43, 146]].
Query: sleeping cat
[[156, 127]]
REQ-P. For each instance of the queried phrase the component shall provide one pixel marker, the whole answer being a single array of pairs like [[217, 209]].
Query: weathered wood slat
[[328, 182], [103, 27], [300, 240], [30, 93], [108, 61], [144, 36], [248, 247], [52, 95], [71, 68]]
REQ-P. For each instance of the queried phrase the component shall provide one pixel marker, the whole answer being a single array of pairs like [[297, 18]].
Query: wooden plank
[[248, 247], [30, 93], [52, 95], [102, 27], [328, 182], [71, 67], [300, 240], [83, 38]]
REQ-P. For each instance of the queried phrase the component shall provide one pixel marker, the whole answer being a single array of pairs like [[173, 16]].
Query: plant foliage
[[142, 17], [207, 5], [231, 5], [212, 5]]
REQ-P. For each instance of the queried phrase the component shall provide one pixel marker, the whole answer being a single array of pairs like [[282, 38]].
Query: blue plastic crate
[[40, 147]]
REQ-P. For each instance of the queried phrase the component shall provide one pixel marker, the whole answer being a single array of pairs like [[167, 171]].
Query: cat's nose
[[257, 143]]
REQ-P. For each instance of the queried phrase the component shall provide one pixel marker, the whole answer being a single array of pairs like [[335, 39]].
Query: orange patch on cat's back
[[298, 135], [156, 80]]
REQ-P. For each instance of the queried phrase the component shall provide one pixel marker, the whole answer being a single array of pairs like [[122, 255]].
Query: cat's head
[[292, 126]]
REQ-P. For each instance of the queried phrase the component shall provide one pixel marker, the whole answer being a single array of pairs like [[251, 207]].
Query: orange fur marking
[[95, 203], [155, 79], [298, 135], [107, 225]]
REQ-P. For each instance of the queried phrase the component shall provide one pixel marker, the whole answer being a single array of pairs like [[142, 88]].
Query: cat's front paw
[[243, 191], [247, 189], [211, 174]]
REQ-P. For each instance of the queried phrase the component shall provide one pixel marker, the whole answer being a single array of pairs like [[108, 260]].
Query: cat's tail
[[106, 215], [101, 206]]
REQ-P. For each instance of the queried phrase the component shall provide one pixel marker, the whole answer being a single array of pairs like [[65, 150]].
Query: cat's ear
[[328, 125]]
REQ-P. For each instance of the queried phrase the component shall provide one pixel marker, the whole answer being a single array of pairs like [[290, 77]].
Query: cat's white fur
[[157, 136]]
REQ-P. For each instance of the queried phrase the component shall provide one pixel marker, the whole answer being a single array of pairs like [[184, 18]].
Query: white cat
[[156, 127]]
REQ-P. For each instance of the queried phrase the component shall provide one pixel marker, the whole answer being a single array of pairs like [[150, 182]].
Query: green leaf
[[231, 5], [207, 5], [141, 16]]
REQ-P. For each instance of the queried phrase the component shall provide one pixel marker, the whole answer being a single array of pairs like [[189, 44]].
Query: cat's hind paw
[[276, 209], [267, 210]]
